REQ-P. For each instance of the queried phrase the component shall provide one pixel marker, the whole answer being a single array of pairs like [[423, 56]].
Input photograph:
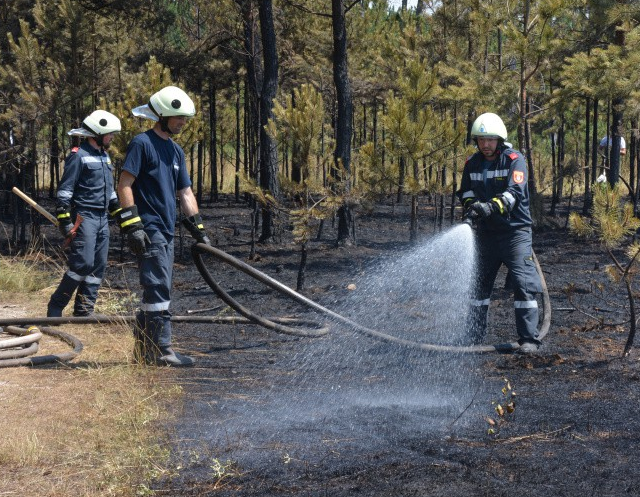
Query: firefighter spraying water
[[495, 197]]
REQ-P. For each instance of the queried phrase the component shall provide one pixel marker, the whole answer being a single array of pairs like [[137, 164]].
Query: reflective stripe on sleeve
[[468, 194], [510, 199]]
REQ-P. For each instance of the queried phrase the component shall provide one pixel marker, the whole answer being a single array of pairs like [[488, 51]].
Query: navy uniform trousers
[[513, 249], [156, 272], [87, 263]]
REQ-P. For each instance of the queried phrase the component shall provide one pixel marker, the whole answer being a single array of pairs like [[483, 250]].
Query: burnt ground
[[275, 415]]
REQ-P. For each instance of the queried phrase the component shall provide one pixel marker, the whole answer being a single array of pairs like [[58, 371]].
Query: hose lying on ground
[[13, 352], [18, 357], [12, 356], [199, 248]]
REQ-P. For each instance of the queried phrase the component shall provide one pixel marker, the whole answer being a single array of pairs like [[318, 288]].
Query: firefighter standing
[[86, 189], [154, 170], [494, 193]]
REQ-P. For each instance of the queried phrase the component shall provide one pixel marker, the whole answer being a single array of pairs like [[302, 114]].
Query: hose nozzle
[[468, 220]]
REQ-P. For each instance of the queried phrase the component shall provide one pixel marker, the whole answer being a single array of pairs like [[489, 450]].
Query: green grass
[[23, 275]]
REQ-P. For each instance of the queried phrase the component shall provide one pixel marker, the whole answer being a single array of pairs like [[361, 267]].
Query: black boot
[[161, 355], [168, 357]]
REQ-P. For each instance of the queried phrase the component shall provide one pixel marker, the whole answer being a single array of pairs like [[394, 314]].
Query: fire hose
[[14, 351], [199, 248], [18, 351]]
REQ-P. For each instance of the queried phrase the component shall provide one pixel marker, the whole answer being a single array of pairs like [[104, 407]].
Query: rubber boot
[[53, 311], [162, 355], [169, 357], [61, 297]]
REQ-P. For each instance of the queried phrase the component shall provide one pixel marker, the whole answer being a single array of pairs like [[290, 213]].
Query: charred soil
[[276, 415]]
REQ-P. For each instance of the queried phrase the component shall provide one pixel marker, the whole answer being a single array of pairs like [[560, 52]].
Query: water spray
[[199, 248]]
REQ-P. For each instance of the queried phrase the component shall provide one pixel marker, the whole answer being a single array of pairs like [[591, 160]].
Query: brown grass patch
[[87, 428]]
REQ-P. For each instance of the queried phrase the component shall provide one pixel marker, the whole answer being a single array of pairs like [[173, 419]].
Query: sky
[[397, 3]]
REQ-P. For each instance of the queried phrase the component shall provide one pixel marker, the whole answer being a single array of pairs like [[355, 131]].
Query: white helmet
[[172, 101], [488, 125], [98, 123]]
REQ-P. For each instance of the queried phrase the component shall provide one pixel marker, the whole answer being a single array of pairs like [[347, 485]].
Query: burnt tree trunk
[[268, 146], [587, 180], [344, 129], [213, 148], [238, 143]]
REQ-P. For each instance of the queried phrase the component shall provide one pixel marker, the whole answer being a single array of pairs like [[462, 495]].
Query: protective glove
[[196, 228], [481, 210], [63, 215], [114, 207], [131, 225], [138, 241], [65, 229]]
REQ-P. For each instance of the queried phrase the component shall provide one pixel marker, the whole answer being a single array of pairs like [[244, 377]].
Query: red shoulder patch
[[75, 149], [513, 156]]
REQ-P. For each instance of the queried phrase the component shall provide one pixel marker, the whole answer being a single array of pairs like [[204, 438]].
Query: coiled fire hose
[[18, 351], [199, 248]]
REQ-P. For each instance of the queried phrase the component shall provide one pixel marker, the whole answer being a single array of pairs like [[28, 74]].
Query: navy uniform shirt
[[160, 170], [505, 177], [87, 180]]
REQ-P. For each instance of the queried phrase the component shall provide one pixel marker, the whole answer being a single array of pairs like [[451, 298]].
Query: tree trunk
[[213, 148], [531, 183], [617, 129], [238, 142], [301, 268], [554, 174], [617, 113], [200, 168], [594, 143], [54, 160], [402, 166], [268, 146], [587, 181], [344, 130]]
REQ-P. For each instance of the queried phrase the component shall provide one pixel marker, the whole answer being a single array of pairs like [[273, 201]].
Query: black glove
[[138, 241], [114, 207], [196, 228], [65, 229], [481, 210], [63, 215], [131, 225]]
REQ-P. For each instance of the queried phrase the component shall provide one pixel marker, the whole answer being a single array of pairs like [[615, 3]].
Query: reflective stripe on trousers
[[87, 263], [156, 273]]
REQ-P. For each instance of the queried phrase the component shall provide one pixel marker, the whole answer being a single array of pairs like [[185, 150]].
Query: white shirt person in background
[[606, 142]]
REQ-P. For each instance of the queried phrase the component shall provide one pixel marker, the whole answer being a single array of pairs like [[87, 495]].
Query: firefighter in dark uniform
[[86, 189], [494, 194], [154, 171]]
